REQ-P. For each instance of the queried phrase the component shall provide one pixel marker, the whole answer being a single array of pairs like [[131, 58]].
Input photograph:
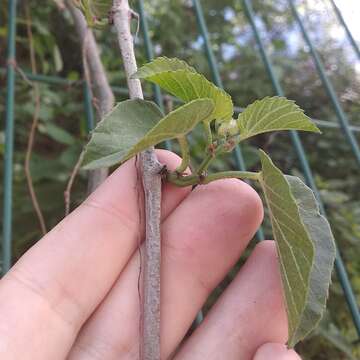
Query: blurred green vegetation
[[62, 129]]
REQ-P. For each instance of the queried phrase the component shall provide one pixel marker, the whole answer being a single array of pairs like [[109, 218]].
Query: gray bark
[[150, 336], [99, 83]]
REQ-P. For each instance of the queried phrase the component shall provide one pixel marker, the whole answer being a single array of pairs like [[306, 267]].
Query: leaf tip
[[317, 130]]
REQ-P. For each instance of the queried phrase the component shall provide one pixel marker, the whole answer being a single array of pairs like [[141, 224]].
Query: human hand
[[74, 295]]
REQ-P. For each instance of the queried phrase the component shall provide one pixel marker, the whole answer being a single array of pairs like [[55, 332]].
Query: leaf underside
[[182, 81], [323, 240], [272, 114], [305, 247], [135, 125]]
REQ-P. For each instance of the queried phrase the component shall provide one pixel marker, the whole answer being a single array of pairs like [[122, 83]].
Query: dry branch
[[34, 124], [150, 337], [96, 78]]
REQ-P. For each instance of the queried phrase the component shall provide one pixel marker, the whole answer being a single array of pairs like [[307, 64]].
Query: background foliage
[[62, 128]]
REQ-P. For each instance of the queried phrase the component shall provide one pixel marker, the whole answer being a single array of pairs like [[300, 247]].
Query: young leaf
[[181, 80], [135, 125], [176, 124], [305, 247], [272, 114]]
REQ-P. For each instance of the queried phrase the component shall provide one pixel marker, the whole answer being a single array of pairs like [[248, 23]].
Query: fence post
[[327, 85], [9, 138], [239, 159], [88, 107], [340, 268]]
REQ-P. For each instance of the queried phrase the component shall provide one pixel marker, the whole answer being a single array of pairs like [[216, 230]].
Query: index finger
[[57, 284]]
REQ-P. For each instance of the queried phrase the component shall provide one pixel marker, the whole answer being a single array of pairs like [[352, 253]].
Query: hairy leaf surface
[[134, 125], [181, 80], [272, 114], [160, 65], [176, 124], [305, 246]]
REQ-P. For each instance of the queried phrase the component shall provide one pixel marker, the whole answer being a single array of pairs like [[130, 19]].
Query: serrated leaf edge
[[297, 109]]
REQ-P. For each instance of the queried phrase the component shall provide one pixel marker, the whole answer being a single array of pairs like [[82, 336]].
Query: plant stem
[[185, 154], [69, 185], [244, 175], [205, 163], [97, 80], [208, 159], [208, 133], [182, 181], [150, 337]]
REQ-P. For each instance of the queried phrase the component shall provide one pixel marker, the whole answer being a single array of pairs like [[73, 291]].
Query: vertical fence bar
[[239, 159], [150, 56], [347, 30], [327, 85], [89, 112], [9, 138], [340, 268], [207, 44], [279, 91], [148, 48]]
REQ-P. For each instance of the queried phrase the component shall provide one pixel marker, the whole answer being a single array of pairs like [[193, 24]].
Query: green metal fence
[[299, 149], [9, 138], [343, 123]]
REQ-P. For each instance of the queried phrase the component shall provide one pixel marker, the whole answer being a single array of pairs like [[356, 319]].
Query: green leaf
[[160, 65], [181, 80], [305, 246], [134, 125], [176, 124], [125, 125], [272, 114], [58, 60]]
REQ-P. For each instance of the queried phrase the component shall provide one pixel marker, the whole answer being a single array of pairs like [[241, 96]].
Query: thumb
[[273, 351]]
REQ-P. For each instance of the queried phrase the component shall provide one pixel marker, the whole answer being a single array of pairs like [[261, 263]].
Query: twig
[[21, 73], [67, 192], [150, 337], [95, 75], [33, 127]]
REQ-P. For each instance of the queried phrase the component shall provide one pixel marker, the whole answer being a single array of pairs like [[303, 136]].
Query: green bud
[[229, 128]]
